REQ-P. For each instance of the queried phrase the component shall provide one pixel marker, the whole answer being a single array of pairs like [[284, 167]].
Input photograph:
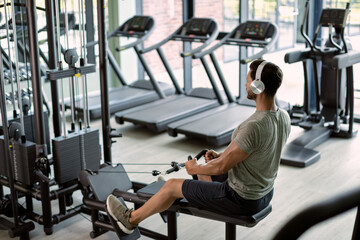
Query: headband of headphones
[[257, 86], [259, 70]]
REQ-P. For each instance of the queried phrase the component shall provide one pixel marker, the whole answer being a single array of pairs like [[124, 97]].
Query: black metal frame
[[16, 228], [104, 88], [90, 31], [45, 195], [50, 21], [101, 223], [93, 191]]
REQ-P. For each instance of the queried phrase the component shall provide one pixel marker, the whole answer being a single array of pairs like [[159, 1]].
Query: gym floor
[[337, 171]]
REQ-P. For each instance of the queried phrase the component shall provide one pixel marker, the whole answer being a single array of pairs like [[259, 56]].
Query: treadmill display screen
[[198, 26], [137, 24], [254, 30]]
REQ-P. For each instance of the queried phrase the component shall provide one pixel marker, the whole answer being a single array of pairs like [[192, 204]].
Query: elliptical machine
[[334, 89]]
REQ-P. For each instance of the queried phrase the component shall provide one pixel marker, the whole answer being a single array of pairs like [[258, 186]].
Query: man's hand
[[191, 166], [210, 155]]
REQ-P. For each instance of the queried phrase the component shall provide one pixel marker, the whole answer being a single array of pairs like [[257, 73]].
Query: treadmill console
[[334, 16], [138, 24], [253, 30], [198, 27]]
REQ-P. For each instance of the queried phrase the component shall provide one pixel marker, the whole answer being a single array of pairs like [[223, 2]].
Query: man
[[251, 161]]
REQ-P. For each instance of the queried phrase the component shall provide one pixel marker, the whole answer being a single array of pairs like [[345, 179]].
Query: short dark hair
[[271, 76]]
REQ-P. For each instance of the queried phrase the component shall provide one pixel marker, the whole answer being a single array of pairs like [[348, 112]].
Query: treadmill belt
[[120, 98], [157, 116], [172, 109], [220, 123]]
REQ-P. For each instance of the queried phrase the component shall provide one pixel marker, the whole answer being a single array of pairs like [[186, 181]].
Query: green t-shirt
[[262, 136]]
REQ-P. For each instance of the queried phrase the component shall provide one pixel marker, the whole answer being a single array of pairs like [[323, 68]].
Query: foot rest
[[123, 236]]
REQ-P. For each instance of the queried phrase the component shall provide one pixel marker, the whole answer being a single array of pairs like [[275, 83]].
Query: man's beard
[[251, 95]]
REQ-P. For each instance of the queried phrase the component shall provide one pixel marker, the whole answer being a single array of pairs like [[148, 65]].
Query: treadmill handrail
[[265, 49], [130, 45], [175, 35], [141, 37], [159, 44], [216, 46], [204, 45], [135, 43], [268, 44]]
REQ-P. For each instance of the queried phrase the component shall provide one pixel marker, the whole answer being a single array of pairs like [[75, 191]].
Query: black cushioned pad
[[186, 207], [150, 189], [107, 179], [242, 220]]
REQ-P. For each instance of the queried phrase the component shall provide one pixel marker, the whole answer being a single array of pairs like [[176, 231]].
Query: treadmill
[[138, 92], [157, 115], [216, 126]]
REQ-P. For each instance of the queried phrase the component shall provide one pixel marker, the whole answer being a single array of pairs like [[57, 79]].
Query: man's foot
[[120, 213]]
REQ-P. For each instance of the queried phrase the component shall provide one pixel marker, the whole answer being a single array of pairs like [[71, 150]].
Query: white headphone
[[257, 86]]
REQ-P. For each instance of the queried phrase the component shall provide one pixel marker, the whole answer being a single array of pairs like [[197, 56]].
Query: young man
[[249, 164]]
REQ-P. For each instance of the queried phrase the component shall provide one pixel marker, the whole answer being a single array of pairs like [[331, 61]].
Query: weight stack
[[24, 157], [90, 149], [67, 157], [29, 126]]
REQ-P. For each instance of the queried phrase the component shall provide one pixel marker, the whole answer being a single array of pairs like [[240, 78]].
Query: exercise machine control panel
[[253, 30], [198, 26], [138, 24], [337, 17], [136, 27]]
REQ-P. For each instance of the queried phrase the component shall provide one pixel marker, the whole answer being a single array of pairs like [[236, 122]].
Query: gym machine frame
[[42, 192], [118, 183], [337, 61]]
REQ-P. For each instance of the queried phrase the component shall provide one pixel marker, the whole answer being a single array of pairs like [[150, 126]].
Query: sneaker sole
[[115, 222]]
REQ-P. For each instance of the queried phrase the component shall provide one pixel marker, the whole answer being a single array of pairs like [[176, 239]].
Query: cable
[[10, 60], [22, 129], [71, 79]]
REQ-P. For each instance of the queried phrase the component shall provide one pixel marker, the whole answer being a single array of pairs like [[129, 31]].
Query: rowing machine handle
[[201, 153], [198, 156]]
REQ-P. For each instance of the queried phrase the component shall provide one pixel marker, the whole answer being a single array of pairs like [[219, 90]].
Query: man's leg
[[127, 219], [204, 178], [161, 201]]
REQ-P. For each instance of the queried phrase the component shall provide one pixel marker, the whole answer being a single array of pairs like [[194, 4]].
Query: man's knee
[[174, 187]]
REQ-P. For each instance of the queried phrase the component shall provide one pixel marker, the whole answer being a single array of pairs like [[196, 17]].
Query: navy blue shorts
[[220, 197]]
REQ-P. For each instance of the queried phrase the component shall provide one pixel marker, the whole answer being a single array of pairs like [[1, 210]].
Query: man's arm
[[227, 160]]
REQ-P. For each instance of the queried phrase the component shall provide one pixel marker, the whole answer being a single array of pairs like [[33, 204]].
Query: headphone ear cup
[[257, 86]]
